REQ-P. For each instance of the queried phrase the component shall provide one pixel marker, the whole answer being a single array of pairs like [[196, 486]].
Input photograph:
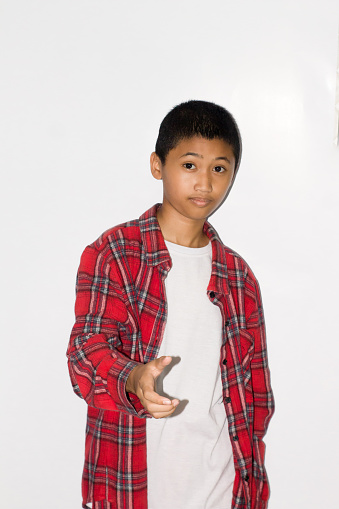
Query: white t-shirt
[[189, 454]]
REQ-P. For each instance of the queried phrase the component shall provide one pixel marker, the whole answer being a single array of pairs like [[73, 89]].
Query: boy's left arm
[[263, 400]]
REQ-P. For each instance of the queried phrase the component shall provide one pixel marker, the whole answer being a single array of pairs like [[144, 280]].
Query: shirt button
[[224, 362], [212, 295], [227, 323], [247, 478], [228, 399], [235, 438]]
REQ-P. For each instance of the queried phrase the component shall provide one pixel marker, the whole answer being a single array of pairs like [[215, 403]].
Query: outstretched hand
[[141, 381]]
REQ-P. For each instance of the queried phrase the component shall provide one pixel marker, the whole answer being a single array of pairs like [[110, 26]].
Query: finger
[[160, 409], [161, 415], [160, 364], [164, 409], [164, 359], [153, 397]]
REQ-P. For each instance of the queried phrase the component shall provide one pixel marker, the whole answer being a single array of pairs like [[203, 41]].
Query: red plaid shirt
[[120, 313]]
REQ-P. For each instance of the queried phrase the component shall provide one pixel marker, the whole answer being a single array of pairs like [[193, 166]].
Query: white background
[[84, 87]]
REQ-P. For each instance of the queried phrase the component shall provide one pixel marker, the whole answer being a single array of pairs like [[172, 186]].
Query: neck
[[181, 230]]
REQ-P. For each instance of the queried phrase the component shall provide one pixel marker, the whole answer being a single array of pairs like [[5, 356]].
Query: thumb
[[161, 363]]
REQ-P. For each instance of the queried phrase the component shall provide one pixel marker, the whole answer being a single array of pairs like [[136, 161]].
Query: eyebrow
[[224, 158]]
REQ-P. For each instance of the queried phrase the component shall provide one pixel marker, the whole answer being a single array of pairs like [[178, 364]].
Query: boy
[[168, 348]]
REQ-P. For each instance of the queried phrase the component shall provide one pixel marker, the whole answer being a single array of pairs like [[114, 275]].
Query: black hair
[[197, 118]]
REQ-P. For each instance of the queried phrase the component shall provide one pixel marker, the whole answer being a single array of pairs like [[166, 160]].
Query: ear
[[156, 166]]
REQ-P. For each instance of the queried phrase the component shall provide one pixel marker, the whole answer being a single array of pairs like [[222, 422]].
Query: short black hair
[[197, 118]]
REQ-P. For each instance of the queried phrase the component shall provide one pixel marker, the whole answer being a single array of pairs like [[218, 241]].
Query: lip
[[200, 202]]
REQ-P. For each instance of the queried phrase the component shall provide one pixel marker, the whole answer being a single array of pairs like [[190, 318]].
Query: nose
[[203, 182]]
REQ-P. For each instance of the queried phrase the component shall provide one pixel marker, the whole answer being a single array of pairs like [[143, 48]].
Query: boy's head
[[198, 118], [197, 155]]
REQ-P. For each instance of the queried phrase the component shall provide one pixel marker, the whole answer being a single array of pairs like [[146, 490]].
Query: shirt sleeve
[[98, 369], [263, 400], [261, 378]]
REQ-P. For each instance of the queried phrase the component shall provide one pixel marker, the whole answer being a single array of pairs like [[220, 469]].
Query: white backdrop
[[84, 87]]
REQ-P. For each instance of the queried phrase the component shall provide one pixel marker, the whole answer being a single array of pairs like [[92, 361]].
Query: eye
[[188, 166], [219, 169]]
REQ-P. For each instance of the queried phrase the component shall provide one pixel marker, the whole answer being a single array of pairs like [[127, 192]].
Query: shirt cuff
[[117, 378]]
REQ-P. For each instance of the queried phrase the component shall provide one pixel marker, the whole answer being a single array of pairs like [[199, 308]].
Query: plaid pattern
[[120, 313]]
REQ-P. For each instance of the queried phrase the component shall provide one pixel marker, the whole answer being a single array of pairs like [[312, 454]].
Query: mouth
[[200, 202]]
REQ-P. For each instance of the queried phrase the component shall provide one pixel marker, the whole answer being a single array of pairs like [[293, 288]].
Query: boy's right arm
[[98, 370]]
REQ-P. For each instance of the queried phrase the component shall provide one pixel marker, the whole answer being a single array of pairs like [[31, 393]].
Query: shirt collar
[[157, 252]]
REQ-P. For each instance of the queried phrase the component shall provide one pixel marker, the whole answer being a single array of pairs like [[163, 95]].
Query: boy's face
[[196, 176]]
